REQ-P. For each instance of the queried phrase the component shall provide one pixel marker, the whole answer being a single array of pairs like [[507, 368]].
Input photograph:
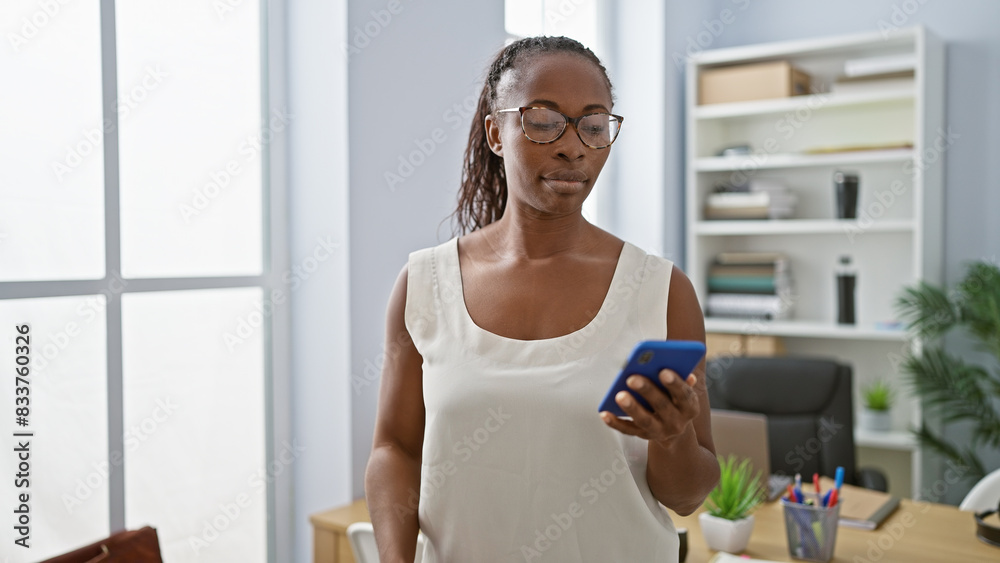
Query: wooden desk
[[330, 543], [916, 532]]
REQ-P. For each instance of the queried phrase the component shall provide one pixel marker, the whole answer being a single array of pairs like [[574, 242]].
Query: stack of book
[[781, 201], [875, 74], [737, 205], [758, 199], [749, 285], [871, 66]]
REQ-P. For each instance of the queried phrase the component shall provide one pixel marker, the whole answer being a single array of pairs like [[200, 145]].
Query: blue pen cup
[[811, 530]]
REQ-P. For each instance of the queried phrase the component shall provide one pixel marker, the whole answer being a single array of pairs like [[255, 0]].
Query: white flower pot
[[731, 536], [879, 421]]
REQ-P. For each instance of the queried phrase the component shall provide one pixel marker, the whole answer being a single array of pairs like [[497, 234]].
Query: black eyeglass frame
[[567, 119]]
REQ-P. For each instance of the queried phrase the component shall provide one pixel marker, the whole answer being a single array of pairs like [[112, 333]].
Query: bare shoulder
[[397, 336], [685, 320], [608, 241], [397, 297]]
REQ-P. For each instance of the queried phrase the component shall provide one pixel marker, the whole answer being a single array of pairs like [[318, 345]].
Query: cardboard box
[[743, 83], [739, 345], [763, 345], [723, 344]]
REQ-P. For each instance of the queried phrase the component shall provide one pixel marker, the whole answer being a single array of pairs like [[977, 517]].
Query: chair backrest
[[361, 536], [808, 403], [985, 495]]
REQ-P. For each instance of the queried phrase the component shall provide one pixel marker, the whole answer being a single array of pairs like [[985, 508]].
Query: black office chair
[[809, 408]]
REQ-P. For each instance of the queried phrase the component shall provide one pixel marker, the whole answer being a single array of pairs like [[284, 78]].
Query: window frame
[[276, 259]]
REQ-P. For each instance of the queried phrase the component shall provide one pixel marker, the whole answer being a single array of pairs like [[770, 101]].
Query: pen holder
[[811, 529]]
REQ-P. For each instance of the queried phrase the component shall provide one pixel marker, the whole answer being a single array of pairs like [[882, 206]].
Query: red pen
[[791, 494], [833, 498], [819, 496]]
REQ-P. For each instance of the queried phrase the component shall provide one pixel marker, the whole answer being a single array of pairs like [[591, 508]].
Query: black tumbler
[[846, 185], [847, 279]]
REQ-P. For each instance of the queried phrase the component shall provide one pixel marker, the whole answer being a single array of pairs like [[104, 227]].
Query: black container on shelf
[[846, 187], [846, 286]]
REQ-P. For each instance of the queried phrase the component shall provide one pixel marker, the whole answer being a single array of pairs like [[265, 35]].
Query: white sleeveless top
[[517, 465]]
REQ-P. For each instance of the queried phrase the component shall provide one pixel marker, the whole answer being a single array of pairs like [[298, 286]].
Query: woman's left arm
[[682, 467]]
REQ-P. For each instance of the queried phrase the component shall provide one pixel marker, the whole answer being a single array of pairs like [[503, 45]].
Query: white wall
[[649, 41], [639, 176], [318, 209]]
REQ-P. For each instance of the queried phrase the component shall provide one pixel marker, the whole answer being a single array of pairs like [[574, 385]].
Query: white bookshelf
[[892, 440], [786, 160], [800, 227], [896, 239], [805, 329], [785, 105]]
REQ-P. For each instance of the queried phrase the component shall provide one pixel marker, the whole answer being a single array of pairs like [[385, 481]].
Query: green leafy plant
[[950, 386], [738, 492], [878, 396]]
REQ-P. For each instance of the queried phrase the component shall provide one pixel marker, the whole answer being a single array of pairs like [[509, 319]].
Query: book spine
[[742, 284], [747, 305]]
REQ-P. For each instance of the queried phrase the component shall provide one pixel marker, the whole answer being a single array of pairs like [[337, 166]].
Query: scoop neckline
[[582, 331]]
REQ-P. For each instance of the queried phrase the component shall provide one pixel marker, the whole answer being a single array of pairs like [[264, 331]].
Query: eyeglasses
[[544, 125]]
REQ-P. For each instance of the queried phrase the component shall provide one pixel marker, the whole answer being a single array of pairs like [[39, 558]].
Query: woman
[[505, 339]]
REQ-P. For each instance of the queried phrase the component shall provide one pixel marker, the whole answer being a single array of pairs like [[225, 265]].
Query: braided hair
[[482, 197]]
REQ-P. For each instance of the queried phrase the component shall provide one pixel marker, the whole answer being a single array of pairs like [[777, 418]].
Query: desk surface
[[338, 519], [916, 532]]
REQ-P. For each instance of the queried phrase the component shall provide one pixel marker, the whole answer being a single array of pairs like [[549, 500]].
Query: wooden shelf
[[803, 329], [798, 226], [786, 160], [812, 102], [891, 440], [824, 46]]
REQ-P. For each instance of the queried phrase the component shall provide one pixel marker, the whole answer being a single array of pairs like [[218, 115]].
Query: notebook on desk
[[861, 508], [745, 435], [723, 557]]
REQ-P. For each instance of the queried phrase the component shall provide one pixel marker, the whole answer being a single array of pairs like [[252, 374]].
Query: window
[[67, 413], [51, 165], [191, 138], [194, 423], [134, 243]]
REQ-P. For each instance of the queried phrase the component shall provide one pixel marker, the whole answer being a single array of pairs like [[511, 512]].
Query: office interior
[[351, 161]]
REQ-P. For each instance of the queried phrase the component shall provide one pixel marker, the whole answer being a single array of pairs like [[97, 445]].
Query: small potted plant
[[878, 397], [727, 523]]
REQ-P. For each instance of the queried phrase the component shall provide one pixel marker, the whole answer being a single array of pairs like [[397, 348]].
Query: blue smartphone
[[647, 360]]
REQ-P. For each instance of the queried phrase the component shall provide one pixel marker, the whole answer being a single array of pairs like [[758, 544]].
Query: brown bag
[[127, 546]]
